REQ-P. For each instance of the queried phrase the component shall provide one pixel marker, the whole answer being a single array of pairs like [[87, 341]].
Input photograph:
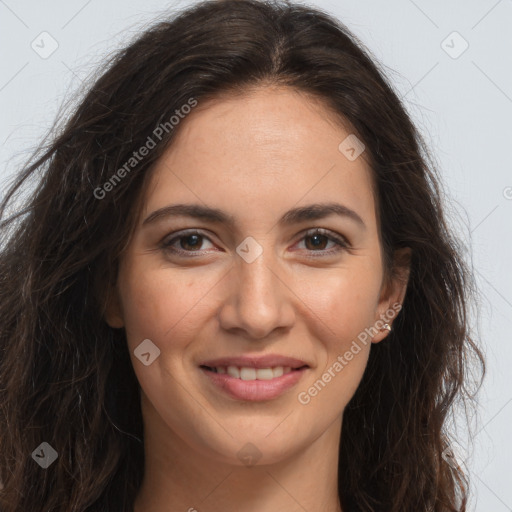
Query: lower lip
[[254, 390]]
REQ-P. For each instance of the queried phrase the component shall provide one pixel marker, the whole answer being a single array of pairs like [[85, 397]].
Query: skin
[[254, 156]]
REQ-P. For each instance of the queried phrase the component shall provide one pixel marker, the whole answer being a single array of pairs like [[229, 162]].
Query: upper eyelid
[[176, 235]]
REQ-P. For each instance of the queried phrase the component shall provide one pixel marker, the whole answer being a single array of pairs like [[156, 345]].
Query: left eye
[[192, 241], [320, 237]]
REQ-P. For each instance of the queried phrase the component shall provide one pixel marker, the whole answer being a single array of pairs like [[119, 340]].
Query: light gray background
[[462, 105]]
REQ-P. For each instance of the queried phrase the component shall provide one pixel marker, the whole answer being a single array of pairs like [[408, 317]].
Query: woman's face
[[263, 285]]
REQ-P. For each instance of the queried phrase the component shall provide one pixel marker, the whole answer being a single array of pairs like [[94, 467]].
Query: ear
[[113, 311], [392, 293]]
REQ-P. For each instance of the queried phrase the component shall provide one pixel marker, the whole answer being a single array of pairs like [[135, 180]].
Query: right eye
[[189, 242]]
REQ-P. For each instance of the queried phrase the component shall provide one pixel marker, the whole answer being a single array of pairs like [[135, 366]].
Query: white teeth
[[247, 373], [264, 374], [278, 371], [233, 371]]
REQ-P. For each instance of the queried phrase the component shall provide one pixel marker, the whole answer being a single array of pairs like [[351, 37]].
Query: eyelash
[[341, 242]]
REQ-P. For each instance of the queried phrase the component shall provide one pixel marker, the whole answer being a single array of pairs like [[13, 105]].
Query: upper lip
[[266, 361]]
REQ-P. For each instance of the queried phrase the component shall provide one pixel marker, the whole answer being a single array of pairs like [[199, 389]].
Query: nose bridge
[[258, 301], [255, 265], [257, 280]]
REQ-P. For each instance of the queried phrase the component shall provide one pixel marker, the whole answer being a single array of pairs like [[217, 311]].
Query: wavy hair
[[66, 377]]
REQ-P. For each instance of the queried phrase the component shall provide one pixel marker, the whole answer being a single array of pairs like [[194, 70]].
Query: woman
[[233, 287]]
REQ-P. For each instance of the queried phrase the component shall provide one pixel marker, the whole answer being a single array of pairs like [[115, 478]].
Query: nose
[[258, 301]]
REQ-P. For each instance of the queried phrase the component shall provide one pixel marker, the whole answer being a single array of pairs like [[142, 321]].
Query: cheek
[[344, 300], [345, 303], [163, 305]]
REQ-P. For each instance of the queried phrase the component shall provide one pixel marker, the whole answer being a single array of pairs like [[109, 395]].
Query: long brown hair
[[66, 376]]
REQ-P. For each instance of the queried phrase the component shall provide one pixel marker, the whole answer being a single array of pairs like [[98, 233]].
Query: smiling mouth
[[248, 383], [249, 373]]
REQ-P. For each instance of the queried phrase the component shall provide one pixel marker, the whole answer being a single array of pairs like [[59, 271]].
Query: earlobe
[[383, 328]]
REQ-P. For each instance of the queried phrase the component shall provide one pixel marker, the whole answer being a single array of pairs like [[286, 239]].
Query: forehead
[[261, 152]]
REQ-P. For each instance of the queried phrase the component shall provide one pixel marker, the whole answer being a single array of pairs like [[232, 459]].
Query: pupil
[[187, 238], [317, 237]]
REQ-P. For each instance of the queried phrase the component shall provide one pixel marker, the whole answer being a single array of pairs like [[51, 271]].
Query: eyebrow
[[294, 216]]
